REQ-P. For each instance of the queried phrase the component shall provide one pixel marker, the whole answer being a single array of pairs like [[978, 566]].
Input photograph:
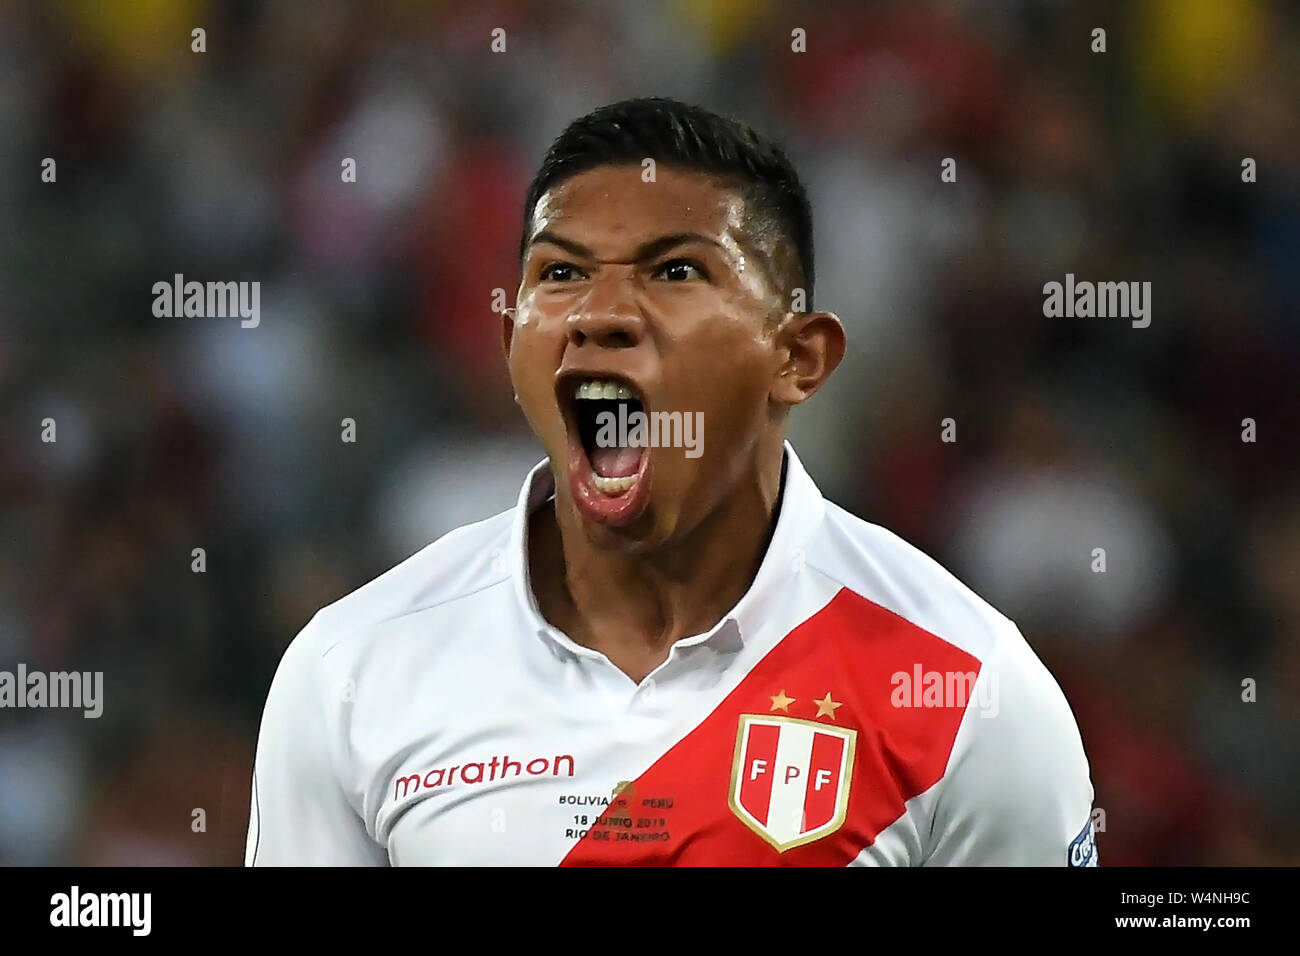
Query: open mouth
[[609, 458], [604, 415]]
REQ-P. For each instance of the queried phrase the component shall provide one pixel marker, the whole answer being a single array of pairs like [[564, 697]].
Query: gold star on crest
[[782, 702], [826, 707]]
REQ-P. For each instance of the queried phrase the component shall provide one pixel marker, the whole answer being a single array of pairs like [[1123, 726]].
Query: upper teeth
[[602, 389]]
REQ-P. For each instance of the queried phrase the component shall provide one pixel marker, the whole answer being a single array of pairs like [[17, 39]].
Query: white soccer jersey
[[859, 705]]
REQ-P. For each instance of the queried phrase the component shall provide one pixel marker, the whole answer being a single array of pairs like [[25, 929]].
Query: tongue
[[616, 462]]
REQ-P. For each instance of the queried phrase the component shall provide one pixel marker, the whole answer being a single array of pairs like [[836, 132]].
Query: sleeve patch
[[1083, 848]]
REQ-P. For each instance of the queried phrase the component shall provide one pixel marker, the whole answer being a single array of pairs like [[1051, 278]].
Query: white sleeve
[[300, 814], [1017, 790]]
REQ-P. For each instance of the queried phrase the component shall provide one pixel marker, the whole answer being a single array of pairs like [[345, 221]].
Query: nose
[[608, 317]]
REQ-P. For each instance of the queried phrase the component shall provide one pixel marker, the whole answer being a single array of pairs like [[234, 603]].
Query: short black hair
[[692, 138]]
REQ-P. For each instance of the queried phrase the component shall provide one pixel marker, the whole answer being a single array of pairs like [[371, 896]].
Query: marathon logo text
[[475, 772]]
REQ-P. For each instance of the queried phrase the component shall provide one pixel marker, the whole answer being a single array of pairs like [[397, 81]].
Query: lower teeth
[[612, 486]]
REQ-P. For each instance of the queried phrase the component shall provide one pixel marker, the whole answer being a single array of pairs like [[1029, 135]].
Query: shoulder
[[896, 577], [1002, 742], [464, 562], [1018, 785], [896, 581]]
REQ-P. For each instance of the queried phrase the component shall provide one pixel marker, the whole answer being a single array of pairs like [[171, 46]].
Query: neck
[[634, 607]]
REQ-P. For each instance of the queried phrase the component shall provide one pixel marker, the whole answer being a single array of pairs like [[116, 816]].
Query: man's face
[[656, 287]]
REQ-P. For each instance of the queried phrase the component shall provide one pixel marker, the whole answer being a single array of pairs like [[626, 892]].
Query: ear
[[507, 330], [507, 339], [813, 344]]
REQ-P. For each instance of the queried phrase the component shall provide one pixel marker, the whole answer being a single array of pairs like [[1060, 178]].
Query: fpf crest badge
[[790, 778]]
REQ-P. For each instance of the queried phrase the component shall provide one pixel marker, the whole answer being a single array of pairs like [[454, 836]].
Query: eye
[[680, 270], [560, 272]]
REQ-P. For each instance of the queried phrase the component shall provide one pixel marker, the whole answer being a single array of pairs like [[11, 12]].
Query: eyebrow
[[647, 250]]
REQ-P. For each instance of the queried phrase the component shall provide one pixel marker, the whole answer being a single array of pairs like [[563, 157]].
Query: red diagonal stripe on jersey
[[851, 648]]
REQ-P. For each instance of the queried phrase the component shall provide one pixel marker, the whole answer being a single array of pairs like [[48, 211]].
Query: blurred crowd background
[[1072, 434]]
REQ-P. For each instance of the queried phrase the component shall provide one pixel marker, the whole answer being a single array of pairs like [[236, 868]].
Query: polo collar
[[802, 510]]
